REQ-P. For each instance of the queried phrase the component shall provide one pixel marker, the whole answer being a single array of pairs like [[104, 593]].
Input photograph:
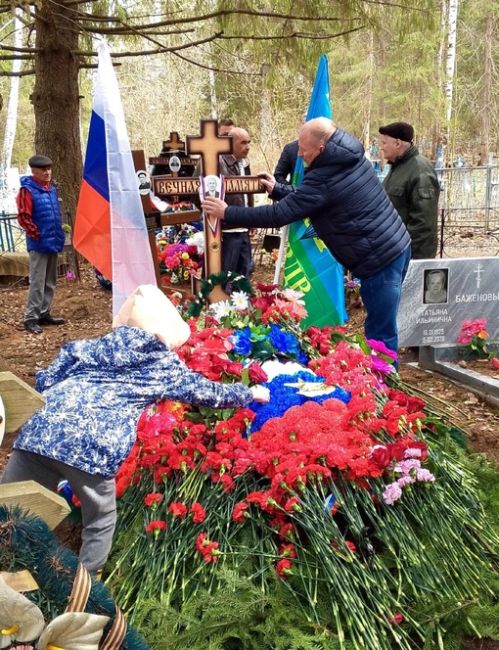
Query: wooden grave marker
[[20, 402], [209, 146], [37, 499]]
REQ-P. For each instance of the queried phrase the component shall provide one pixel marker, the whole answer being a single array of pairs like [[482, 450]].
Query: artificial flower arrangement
[[339, 499], [475, 339], [474, 336], [178, 259]]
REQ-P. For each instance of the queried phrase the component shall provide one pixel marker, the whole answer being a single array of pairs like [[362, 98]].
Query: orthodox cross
[[209, 146]]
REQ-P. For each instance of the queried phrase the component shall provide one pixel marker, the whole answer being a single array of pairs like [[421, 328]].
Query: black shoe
[[50, 320], [32, 327]]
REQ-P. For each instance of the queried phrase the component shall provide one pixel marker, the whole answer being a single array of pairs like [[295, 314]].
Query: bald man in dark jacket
[[349, 211]]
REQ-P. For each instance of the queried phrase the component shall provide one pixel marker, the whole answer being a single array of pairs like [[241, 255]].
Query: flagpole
[[282, 251]]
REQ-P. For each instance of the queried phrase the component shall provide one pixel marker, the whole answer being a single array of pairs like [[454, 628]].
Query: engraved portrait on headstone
[[435, 286], [439, 295]]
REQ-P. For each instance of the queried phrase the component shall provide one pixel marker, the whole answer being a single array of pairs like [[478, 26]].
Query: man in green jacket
[[412, 186]]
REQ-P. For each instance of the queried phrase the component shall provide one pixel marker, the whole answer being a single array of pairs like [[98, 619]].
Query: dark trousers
[[381, 297], [236, 253]]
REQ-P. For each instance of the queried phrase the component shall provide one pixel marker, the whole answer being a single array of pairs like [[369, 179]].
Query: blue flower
[[283, 397], [284, 342], [242, 341]]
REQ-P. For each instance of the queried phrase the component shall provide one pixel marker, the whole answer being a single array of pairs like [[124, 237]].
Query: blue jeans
[[381, 297]]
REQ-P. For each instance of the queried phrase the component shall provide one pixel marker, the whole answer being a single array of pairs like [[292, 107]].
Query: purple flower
[[412, 452], [425, 476], [405, 480], [406, 466], [379, 346], [381, 366], [392, 493]]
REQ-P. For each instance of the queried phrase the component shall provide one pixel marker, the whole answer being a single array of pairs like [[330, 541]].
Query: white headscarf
[[149, 309]]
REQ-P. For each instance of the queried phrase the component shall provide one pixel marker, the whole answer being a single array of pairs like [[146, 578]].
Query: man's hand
[[267, 181], [214, 207]]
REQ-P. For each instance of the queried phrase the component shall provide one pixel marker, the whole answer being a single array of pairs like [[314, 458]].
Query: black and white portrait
[[211, 186], [435, 286], [144, 181]]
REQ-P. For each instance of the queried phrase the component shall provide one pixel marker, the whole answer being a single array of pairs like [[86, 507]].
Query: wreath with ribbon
[[238, 282]]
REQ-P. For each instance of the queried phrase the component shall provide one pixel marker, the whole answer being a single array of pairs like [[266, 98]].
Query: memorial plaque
[[439, 295]]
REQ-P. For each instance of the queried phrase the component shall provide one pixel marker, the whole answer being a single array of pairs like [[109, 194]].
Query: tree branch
[[308, 35], [21, 73], [12, 48], [190, 19], [208, 67]]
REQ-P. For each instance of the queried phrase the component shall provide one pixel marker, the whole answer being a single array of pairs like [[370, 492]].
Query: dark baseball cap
[[39, 161]]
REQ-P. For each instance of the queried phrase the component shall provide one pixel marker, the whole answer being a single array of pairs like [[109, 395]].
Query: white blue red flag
[[110, 228]]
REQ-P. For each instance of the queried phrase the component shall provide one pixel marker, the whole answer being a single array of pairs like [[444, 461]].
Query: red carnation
[[178, 509], [198, 513], [283, 569], [153, 499], [239, 513], [396, 619], [156, 526]]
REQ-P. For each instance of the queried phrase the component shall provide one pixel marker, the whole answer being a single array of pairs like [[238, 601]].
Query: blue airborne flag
[[309, 266]]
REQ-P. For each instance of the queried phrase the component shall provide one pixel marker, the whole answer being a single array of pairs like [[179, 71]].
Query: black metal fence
[[469, 211]]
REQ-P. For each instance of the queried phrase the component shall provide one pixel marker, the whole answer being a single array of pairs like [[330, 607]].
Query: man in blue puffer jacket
[[39, 216], [349, 211]]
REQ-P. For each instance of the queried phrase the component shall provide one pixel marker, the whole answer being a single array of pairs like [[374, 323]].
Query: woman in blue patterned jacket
[[95, 391]]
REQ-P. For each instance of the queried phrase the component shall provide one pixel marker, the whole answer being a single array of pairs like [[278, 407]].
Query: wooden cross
[[174, 143], [209, 146]]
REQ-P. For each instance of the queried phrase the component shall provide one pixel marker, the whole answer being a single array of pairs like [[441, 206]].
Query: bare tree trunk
[[439, 66], [486, 94], [55, 98], [369, 94], [13, 103], [450, 66], [213, 95]]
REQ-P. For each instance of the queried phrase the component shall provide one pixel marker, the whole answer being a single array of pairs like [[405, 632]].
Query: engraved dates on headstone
[[439, 295]]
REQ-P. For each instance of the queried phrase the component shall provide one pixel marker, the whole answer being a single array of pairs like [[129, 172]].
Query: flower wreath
[[238, 282]]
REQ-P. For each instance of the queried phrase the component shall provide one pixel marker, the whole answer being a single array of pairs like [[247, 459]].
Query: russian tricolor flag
[[110, 230]]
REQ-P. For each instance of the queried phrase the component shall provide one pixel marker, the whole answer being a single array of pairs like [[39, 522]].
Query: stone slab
[[439, 295], [436, 359]]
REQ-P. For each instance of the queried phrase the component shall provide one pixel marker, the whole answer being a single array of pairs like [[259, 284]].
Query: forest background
[[433, 63]]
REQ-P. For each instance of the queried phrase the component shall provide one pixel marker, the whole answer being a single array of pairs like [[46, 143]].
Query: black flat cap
[[399, 131], [39, 161]]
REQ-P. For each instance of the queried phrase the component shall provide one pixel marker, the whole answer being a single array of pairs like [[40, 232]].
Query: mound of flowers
[[340, 513]]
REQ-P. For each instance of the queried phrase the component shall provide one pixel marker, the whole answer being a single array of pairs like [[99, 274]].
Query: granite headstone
[[439, 295]]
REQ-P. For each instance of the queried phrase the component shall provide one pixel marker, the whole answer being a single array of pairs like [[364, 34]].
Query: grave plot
[[339, 513], [439, 297]]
